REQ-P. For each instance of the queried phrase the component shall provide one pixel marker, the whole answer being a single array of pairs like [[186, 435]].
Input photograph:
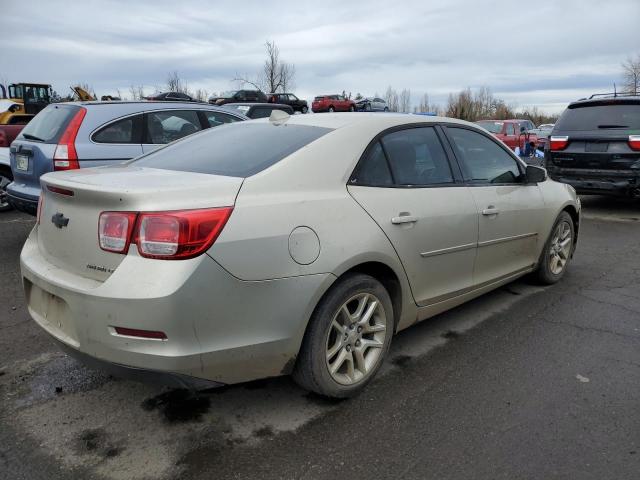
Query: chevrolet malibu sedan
[[286, 245]]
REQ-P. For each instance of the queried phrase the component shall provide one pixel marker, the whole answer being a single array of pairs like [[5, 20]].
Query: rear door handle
[[490, 210], [404, 219]]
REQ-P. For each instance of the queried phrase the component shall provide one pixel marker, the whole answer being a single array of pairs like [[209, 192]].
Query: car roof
[[607, 100], [374, 119], [255, 104]]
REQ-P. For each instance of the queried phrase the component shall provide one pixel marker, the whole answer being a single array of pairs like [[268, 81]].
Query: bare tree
[[177, 84], [405, 101], [201, 95], [137, 93], [276, 75], [631, 74], [391, 97]]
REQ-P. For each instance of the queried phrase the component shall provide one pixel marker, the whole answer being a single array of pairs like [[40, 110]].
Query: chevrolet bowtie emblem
[[59, 220]]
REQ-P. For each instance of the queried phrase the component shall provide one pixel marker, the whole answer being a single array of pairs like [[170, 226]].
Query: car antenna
[[278, 117]]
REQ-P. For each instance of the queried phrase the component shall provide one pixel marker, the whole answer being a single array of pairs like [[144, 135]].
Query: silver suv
[[67, 136]]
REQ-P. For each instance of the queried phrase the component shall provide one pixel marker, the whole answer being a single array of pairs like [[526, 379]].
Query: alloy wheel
[[4, 199], [356, 339], [560, 248]]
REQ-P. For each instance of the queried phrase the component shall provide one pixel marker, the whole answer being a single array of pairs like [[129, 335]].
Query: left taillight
[[634, 142], [558, 142], [65, 156], [171, 235], [115, 230]]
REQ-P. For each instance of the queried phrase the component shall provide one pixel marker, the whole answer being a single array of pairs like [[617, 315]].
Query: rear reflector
[[634, 142], [558, 143], [171, 235], [60, 191], [65, 156], [114, 230], [134, 332]]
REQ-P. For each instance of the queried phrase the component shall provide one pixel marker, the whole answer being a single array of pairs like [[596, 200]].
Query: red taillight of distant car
[[634, 142], [558, 143], [65, 156], [171, 235]]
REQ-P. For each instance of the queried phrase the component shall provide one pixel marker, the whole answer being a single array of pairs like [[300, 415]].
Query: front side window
[[165, 127], [484, 161], [511, 129], [417, 157]]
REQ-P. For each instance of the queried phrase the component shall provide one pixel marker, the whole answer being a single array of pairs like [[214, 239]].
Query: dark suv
[[595, 146], [297, 104], [238, 96]]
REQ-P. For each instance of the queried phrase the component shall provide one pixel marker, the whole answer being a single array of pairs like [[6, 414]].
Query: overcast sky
[[540, 52]]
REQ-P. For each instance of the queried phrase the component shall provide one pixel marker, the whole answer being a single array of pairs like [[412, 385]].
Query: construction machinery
[[20, 102]]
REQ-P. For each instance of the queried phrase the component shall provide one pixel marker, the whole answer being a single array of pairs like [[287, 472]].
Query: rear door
[[113, 141], [407, 185], [510, 211]]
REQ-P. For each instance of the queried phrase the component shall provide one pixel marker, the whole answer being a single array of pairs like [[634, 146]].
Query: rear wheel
[[347, 339], [556, 253], [5, 179], [331, 109], [305, 109], [386, 109], [352, 108]]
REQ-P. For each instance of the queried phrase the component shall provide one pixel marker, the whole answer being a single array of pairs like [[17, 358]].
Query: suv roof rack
[[615, 94]]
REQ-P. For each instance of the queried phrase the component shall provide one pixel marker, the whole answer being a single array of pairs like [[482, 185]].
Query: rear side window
[[48, 125], [261, 112], [600, 116], [165, 127], [236, 150], [484, 161], [121, 131], [216, 118], [417, 157], [373, 169]]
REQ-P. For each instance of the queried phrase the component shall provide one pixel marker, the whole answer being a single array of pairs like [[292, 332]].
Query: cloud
[[545, 53]]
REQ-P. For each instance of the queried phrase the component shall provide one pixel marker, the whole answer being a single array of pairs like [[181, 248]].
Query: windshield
[[235, 150], [48, 125], [600, 116], [493, 127]]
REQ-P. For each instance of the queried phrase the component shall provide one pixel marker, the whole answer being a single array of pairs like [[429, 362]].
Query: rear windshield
[[319, 98], [600, 116], [234, 150], [48, 125], [493, 127]]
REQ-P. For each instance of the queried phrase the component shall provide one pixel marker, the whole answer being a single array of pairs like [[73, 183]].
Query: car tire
[[342, 349], [5, 179], [367, 107], [331, 109], [386, 109], [352, 108], [557, 251], [304, 109]]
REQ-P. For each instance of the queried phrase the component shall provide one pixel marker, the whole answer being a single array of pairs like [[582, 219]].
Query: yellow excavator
[[20, 102]]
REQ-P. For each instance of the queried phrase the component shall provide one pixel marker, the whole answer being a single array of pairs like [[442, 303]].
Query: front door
[[510, 211], [405, 182]]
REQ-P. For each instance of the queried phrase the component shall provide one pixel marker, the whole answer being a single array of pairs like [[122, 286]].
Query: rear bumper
[[26, 204], [603, 182], [218, 328]]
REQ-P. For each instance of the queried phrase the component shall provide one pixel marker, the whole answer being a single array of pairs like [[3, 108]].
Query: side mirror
[[535, 174]]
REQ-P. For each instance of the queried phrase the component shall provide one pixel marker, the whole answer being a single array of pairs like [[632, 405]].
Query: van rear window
[[48, 125], [235, 149]]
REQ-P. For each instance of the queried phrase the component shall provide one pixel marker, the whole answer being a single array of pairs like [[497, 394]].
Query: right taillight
[[171, 235], [65, 156], [634, 142], [558, 143]]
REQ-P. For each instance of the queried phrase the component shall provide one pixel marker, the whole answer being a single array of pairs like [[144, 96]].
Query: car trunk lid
[[73, 200]]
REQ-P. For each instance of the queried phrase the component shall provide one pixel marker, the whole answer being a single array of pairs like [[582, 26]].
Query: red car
[[509, 131], [332, 103]]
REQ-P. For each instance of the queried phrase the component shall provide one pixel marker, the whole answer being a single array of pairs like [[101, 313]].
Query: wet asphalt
[[523, 383]]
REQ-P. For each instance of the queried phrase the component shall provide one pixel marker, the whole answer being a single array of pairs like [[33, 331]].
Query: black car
[[239, 96], [297, 104], [595, 146], [259, 110], [168, 96]]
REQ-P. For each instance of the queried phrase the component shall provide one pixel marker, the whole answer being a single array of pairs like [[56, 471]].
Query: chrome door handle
[[404, 219], [490, 210]]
